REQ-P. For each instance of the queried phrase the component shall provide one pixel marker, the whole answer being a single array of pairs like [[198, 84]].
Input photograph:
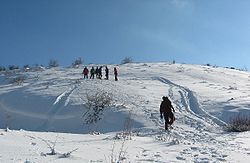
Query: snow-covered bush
[[239, 123], [96, 103]]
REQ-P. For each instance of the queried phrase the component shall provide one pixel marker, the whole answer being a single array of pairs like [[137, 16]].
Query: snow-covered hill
[[53, 102]]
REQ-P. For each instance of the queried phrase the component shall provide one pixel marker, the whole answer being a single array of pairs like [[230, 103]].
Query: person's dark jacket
[[166, 107]]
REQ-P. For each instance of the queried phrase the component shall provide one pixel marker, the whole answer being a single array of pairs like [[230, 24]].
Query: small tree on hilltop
[[37, 67], [53, 63], [2, 68], [26, 67], [13, 67], [127, 60], [77, 62]]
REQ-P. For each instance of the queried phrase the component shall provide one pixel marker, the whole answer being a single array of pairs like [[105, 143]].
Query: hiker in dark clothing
[[85, 73], [166, 111], [107, 73], [100, 72], [92, 73], [115, 73], [96, 72]]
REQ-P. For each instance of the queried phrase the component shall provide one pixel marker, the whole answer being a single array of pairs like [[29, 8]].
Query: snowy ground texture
[[46, 111]]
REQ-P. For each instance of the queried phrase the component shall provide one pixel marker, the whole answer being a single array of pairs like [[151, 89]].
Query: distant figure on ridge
[[92, 73], [107, 73], [100, 72], [97, 72], [166, 111], [85, 73], [115, 73]]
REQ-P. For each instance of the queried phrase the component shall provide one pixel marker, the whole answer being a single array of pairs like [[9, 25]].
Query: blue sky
[[106, 31]]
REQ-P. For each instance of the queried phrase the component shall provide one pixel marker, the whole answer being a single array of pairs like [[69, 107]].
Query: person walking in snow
[[92, 73], [85, 73], [166, 112], [115, 73], [97, 72], [100, 72], [107, 73]]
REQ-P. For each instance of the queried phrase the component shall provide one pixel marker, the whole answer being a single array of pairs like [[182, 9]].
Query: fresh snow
[[47, 110]]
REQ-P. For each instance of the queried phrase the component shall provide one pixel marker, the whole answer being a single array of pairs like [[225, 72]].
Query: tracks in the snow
[[187, 102], [61, 101], [199, 125]]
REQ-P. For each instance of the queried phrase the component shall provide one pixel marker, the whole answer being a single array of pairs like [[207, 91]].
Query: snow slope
[[53, 102]]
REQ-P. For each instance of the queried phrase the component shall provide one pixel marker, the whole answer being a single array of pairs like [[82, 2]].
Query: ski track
[[59, 104], [190, 114], [12, 110], [190, 102]]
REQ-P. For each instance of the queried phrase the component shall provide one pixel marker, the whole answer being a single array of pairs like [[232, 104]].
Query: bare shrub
[[37, 67], [51, 146], [13, 67], [2, 68], [68, 154], [239, 123], [127, 60], [77, 62], [127, 128], [8, 121], [121, 153], [17, 80], [53, 63], [96, 103], [232, 88], [26, 67], [244, 69]]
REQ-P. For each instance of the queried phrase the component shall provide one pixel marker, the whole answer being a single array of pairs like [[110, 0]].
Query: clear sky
[[105, 31]]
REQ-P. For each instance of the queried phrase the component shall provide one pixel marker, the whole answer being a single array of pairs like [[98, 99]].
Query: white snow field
[[46, 111]]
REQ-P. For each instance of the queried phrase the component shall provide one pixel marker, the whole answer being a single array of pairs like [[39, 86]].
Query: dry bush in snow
[[2, 68], [77, 62], [17, 80], [53, 63], [96, 103], [239, 123], [51, 145], [127, 60]]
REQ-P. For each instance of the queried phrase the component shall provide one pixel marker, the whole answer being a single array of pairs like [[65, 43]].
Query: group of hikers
[[98, 73]]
